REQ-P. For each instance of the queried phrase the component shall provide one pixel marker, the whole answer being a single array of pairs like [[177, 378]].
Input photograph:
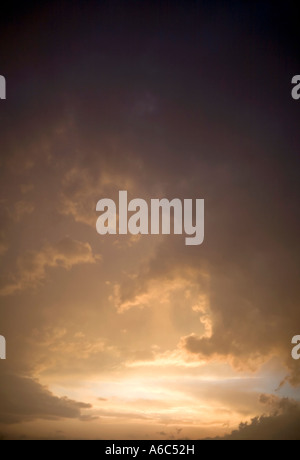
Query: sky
[[143, 337]]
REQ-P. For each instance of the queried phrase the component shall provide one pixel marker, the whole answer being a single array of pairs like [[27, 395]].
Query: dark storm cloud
[[24, 399], [283, 424]]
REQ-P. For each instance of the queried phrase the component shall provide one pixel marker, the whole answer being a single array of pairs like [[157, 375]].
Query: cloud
[[54, 351], [21, 209], [88, 418], [224, 349], [246, 282], [3, 244], [4, 230], [82, 189], [282, 424], [25, 399], [146, 287], [32, 266], [26, 188]]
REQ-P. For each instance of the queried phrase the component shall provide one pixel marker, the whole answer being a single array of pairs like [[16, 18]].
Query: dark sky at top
[[192, 73]]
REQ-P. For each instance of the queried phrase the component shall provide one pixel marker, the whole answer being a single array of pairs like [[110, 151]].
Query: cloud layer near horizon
[[24, 399], [282, 424]]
